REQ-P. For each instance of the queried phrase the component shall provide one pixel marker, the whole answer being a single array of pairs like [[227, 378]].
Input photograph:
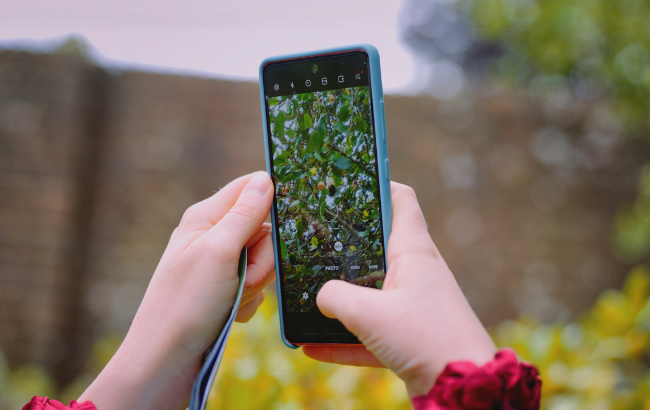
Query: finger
[[409, 235], [243, 220], [247, 311], [260, 271], [207, 213], [348, 303], [347, 355], [265, 229]]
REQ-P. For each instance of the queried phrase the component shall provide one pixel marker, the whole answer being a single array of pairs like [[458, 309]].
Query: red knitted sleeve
[[501, 384], [43, 403]]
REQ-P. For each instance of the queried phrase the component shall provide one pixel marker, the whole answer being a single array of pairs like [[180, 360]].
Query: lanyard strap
[[212, 356]]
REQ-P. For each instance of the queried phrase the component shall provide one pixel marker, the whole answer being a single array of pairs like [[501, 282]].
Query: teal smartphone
[[326, 152]]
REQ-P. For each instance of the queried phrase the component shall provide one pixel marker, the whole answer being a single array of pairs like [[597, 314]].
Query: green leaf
[[342, 163], [322, 128], [321, 201], [279, 125], [316, 140], [308, 120], [300, 227], [291, 133], [314, 242], [344, 113], [379, 284], [341, 127], [283, 249]]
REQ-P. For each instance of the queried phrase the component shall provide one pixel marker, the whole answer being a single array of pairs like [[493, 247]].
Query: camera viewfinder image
[[324, 165]]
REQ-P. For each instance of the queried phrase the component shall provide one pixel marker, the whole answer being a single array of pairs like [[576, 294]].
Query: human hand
[[190, 297], [419, 321]]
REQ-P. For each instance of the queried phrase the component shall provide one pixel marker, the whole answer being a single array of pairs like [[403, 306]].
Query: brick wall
[[97, 169]]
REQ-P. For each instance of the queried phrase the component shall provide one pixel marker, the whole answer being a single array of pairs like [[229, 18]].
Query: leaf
[[316, 140], [342, 163], [314, 242], [283, 249], [291, 133], [321, 201], [308, 120], [379, 284], [300, 227], [341, 127], [321, 126], [279, 125], [344, 113]]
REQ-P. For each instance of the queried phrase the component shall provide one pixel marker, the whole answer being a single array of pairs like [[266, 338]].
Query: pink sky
[[213, 38]]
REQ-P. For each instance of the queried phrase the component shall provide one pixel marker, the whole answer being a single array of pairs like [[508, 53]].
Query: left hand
[[190, 297]]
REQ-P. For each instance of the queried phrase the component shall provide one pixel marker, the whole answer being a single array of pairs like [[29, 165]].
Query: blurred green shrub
[[599, 361], [632, 231], [590, 48]]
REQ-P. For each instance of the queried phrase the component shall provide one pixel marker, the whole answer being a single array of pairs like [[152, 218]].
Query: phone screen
[[327, 202]]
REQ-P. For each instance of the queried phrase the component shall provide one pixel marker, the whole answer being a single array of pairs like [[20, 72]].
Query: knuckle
[[408, 191], [243, 210], [192, 211]]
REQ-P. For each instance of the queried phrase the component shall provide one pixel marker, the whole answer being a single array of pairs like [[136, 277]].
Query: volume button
[[386, 170], [383, 119]]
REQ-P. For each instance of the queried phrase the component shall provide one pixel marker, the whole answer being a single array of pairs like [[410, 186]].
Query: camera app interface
[[324, 165]]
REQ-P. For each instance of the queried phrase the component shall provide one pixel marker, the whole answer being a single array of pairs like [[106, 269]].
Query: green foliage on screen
[[327, 191]]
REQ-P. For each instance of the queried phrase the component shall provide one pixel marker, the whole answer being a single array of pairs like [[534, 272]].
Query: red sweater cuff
[[501, 384], [43, 403]]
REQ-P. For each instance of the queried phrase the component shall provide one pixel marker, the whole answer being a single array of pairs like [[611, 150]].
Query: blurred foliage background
[[599, 361], [574, 55]]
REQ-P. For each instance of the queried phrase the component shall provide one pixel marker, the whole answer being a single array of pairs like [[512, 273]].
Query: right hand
[[419, 321]]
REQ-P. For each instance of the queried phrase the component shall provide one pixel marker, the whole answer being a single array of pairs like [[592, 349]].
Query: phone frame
[[379, 124]]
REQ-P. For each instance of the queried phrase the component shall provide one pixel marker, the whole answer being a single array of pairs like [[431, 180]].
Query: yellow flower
[[313, 171], [365, 213], [354, 248]]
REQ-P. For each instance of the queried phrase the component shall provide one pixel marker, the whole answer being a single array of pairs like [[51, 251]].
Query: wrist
[[144, 377]]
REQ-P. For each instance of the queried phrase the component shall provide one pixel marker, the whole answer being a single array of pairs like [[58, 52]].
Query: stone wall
[[96, 170]]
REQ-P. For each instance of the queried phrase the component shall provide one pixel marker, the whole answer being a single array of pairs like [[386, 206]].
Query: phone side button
[[381, 108], [386, 169]]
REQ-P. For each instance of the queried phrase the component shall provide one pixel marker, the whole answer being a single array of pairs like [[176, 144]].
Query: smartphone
[[326, 152]]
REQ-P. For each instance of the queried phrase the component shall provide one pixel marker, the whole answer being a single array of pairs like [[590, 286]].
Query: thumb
[[244, 218], [348, 303]]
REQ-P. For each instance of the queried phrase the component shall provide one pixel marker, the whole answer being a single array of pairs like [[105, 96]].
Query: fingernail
[[259, 184]]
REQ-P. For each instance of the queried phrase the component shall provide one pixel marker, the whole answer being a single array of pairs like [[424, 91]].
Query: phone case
[[379, 120]]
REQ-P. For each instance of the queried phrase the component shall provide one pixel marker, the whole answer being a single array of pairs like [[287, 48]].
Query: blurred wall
[[97, 168]]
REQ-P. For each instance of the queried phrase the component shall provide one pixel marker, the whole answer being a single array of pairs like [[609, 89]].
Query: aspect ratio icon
[[357, 77], [308, 83], [341, 79], [323, 80]]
